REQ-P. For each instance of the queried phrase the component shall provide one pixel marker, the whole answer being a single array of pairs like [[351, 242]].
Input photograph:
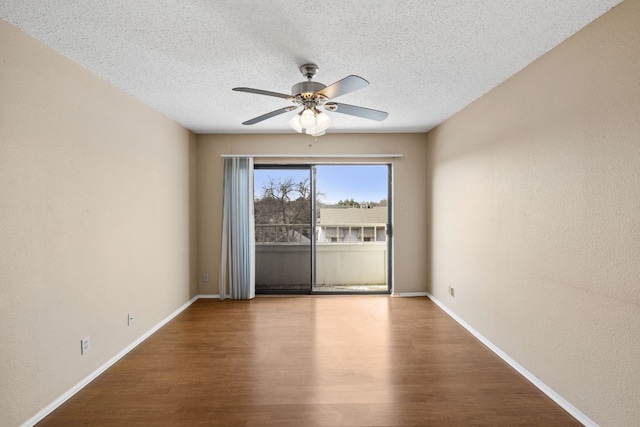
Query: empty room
[[338, 213]]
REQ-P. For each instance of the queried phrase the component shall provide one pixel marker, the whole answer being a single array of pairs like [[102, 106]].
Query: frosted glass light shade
[[322, 124], [324, 121], [308, 119], [295, 123], [316, 121]]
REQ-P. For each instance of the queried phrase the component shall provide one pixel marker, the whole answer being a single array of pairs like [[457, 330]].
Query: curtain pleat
[[237, 262]]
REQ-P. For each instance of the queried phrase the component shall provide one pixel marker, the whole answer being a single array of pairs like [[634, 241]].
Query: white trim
[[76, 388], [409, 294], [315, 156], [207, 296], [586, 421]]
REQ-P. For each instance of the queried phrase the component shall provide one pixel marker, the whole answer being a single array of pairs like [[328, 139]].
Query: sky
[[363, 183]]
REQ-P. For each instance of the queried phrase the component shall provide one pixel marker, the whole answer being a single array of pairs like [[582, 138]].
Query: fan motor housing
[[303, 88]]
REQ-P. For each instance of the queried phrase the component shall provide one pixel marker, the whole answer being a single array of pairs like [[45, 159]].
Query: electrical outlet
[[131, 318], [85, 345], [205, 277], [452, 292]]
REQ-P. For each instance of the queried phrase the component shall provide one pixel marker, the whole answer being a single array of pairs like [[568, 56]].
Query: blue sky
[[363, 183]]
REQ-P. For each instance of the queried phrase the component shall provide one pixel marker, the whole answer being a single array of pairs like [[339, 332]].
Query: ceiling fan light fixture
[[308, 119], [323, 121], [294, 122], [310, 96]]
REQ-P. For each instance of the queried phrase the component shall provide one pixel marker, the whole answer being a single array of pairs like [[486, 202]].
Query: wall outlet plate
[[205, 277], [85, 345], [131, 318]]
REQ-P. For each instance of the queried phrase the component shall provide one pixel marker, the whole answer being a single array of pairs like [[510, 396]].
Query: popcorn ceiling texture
[[424, 60]]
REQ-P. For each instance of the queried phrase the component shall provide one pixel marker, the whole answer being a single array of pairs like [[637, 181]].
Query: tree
[[284, 202], [350, 203]]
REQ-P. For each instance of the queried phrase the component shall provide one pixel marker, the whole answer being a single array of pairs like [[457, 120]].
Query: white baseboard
[[73, 390], [208, 296], [408, 294], [515, 365]]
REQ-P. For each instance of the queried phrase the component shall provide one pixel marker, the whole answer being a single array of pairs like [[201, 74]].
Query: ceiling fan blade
[[262, 92], [269, 115], [344, 86], [366, 113]]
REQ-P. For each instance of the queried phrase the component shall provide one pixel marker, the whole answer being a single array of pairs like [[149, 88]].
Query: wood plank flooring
[[311, 361]]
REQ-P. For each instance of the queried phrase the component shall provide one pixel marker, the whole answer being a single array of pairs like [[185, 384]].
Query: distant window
[[334, 239], [367, 239]]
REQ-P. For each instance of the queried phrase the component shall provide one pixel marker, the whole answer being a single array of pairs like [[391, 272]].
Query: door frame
[[389, 224]]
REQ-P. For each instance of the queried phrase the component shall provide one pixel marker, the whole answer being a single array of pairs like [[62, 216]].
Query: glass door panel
[[352, 215], [282, 198]]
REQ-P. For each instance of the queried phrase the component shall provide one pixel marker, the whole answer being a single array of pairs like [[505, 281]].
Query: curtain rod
[[312, 156]]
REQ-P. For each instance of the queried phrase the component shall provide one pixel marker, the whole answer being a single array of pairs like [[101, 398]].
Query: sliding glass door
[[322, 228]]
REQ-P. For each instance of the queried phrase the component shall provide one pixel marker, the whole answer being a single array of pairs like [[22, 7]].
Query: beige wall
[[536, 217], [410, 192], [95, 205]]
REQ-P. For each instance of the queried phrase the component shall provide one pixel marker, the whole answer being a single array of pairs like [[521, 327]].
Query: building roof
[[334, 216]]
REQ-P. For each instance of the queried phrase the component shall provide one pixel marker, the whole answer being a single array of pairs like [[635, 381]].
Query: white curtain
[[237, 264]]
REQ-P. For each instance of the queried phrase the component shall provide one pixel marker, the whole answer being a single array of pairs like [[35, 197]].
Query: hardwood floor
[[311, 361]]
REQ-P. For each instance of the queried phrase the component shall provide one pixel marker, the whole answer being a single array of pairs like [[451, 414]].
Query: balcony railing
[[357, 256], [352, 233], [325, 233], [283, 233]]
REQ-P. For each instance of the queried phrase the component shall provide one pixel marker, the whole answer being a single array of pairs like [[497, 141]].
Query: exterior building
[[352, 225]]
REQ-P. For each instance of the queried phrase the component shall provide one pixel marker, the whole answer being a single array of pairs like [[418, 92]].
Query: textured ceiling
[[425, 60]]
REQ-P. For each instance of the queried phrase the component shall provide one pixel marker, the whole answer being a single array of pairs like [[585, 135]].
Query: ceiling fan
[[314, 95]]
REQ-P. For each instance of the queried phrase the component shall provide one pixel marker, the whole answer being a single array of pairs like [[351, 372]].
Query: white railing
[[325, 233], [352, 233], [346, 254], [342, 264]]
